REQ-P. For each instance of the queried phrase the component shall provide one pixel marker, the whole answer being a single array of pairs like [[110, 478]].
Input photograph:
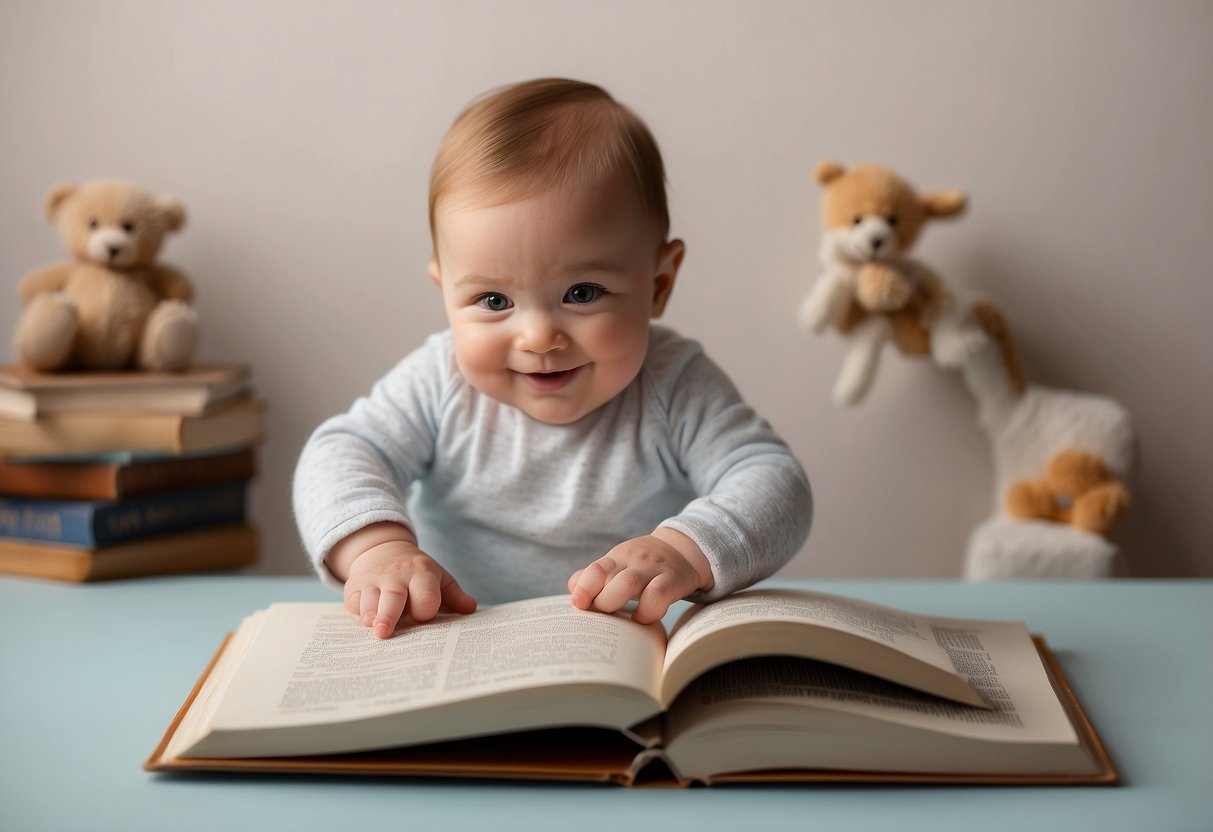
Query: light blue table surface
[[92, 675]]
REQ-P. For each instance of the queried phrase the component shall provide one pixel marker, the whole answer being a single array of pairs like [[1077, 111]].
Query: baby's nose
[[541, 334]]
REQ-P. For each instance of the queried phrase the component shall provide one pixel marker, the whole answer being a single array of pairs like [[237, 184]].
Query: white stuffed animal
[[1061, 459]]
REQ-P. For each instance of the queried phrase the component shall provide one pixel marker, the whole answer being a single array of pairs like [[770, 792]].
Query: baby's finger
[[424, 596], [368, 605], [353, 601], [573, 579], [391, 606], [621, 588], [593, 579], [455, 599], [656, 598]]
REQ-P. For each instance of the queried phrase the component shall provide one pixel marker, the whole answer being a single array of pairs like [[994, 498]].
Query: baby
[[510, 455]]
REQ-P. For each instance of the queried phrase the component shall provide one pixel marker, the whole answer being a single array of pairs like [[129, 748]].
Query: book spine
[[220, 547], [91, 525], [60, 481], [171, 474]]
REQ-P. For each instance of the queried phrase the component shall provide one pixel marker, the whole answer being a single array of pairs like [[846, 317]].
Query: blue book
[[93, 524]]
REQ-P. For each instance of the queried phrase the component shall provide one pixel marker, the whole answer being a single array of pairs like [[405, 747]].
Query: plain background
[[300, 136]]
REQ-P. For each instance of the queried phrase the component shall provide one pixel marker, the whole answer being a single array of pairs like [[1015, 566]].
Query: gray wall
[[300, 134]]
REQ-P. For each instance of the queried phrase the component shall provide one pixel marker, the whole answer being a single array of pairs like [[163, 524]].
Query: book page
[[195, 721], [313, 663], [997, 657], [882, 641], [905, 632]]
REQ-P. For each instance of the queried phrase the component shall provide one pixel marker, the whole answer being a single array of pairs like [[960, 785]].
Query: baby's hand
[[395, 579], [648, 568]]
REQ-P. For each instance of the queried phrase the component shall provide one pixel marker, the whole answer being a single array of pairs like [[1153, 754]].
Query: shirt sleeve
[[357, 466], [755, 505]]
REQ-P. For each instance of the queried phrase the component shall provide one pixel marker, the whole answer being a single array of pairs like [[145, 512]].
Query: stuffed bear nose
[[113, 250], [877, 242]]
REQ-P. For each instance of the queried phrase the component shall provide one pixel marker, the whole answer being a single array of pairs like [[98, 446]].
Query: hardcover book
[[27, 394], [114, 479], [201, 550], [98, 523], [233, 424], [763, 685]]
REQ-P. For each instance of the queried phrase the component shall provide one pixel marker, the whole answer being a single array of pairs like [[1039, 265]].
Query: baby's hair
[[530, 137]]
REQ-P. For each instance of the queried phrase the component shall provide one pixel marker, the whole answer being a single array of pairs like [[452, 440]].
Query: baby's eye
[[584, 293], [494, 302]]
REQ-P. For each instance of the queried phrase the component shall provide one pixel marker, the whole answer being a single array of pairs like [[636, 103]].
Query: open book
[[764, 685]]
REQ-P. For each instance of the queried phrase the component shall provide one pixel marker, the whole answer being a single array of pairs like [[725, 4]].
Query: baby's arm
[[355, 468], [659, 569], [387, 577], [754, 506], [751, 517]]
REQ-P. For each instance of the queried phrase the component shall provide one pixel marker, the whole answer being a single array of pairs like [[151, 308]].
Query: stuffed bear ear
[[56, 197], [944, 203], [173, 212], [828, 171]]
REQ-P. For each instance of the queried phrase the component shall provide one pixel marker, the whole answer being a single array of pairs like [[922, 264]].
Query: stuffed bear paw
[[814, 313], [169, 338], [1101, 508], [46, 331]]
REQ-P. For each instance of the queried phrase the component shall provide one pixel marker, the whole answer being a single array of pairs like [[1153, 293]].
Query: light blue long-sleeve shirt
[[512, 506]]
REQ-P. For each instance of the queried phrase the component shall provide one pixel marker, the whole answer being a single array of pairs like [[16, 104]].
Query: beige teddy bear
[[112, 307], [870, 290]]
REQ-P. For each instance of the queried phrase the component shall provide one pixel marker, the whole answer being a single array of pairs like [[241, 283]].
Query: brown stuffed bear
[[871, 291], [1077, 488], [112, 307]]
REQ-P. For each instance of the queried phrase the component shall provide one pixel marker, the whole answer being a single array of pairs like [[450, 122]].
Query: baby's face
[[549, 297]]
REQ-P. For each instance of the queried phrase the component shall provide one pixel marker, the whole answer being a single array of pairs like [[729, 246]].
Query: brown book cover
[[28, 394], [116, 480], [601, 755], [234, 424], [224, 547]]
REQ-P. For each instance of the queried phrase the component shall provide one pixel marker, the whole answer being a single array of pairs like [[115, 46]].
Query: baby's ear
[[435, 274], [669, 260]]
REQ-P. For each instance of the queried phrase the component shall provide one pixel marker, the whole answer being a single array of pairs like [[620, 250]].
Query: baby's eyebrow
[[593, 266], [479, 278]]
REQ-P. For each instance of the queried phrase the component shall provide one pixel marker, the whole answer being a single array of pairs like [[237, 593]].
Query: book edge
[[32, 382], [65, 563], [152, 763], [326, 765], [55, 435]]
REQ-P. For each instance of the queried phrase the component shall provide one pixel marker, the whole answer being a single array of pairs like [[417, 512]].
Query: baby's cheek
[[478, 351]]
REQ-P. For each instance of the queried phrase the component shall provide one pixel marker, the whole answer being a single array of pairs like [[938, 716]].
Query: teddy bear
[[111, 307], [1077, 488], [870, 290]]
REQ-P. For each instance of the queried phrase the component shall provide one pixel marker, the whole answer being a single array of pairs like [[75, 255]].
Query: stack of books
[[113, 475]]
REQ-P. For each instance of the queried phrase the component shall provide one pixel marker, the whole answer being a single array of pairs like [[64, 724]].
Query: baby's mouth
[[550, 381]]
